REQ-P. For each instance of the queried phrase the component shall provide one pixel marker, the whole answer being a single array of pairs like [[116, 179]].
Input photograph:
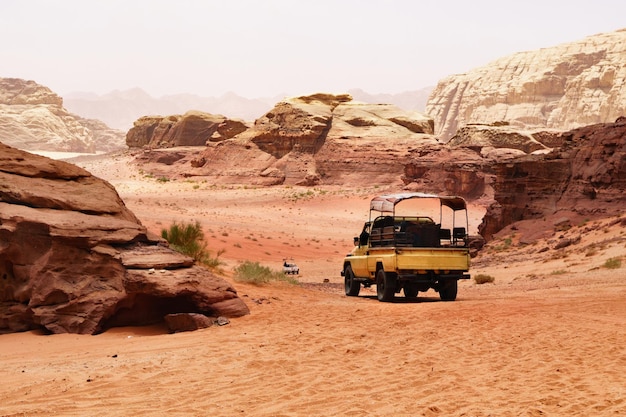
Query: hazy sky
[[258, 48]]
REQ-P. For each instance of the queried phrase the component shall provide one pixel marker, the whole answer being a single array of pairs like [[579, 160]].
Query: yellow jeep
[[410, 252]]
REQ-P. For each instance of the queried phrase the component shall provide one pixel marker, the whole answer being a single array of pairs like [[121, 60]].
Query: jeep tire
[[352, 285], [385, 286]]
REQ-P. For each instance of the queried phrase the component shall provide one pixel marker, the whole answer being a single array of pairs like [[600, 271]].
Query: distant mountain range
[[120, 109]]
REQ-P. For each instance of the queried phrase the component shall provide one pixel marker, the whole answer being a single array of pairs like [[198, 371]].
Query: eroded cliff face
[[32, 117], [585, 177], [562, 87]]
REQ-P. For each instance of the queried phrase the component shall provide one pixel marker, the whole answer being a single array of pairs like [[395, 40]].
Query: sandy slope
[[547, 338]]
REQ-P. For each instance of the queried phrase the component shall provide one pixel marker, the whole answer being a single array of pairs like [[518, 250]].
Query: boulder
[[185, 322], [74, 259]]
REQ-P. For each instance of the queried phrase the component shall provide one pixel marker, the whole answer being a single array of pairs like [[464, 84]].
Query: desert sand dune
[[548, 337]]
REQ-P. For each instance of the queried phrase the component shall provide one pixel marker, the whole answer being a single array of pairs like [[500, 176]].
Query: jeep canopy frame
[[387, 204]]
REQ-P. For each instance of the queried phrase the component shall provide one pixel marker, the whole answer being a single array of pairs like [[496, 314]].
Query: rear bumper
[[426, 278], [455, 276]]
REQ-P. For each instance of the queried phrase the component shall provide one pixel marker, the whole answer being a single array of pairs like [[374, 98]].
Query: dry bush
[[483, 279], [613, 263], [255, 273]]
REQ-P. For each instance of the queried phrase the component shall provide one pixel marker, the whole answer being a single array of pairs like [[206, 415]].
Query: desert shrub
[[613, 263], [255, 273], [213, 262], [505, 245], [483, 279], [188, 238]]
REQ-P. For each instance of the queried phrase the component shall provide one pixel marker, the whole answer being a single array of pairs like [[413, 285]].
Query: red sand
[[548, 337]]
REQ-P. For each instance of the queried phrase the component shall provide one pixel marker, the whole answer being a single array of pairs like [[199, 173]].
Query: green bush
[[483, 279], [188, 238], [255, 273]]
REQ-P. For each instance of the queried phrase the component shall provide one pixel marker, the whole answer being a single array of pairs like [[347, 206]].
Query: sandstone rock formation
[[503, 136], [32, 117], [105, 138], [306, 123], [561, 87], [74, 259], [326, 139], [329, 140], [308, 140], [194, 128], [453, 171], [586, 176]]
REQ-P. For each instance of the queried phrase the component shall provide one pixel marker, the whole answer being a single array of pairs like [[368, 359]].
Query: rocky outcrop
[[586, 176], [194, 128], [519, 174], [308, 140], [503, 136], [327, 139], [452, 171], [307, 123], [74, 259], [106, 139], [32, 117], [561, 87]]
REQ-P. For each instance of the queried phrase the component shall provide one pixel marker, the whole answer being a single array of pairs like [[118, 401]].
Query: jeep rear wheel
[[449, 290], [385, 286], [352, 286]]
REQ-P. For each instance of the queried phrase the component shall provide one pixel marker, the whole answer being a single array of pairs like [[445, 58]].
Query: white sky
[[260, 48]]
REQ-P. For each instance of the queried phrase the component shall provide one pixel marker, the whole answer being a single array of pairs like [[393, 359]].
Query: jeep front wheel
[[352, 286], [385, 286]]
